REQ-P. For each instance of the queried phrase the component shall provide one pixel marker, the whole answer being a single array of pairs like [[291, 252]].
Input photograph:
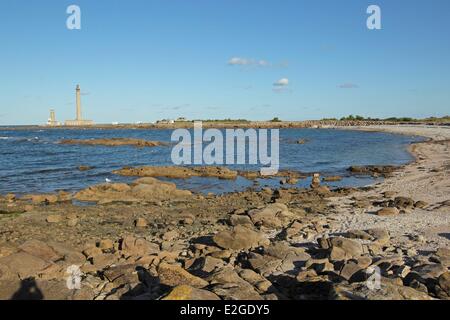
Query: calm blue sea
[[32, 161]]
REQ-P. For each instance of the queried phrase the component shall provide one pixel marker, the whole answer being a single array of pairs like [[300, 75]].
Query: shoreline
[[271, 244]]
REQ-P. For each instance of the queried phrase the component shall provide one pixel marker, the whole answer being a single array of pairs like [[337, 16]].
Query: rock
[[113, 142], [389, 290], [403, 203], [131, 246], [24, 264], [403, 271], [265, 265], [256, 280], [54, 219], [177, 172], [187, 221], [106, 244], [122, 274], [91, 252], [206, 264], [389, 211], [240, 238], [170, 235], [315, 183], [140, 223], [185, 292], [420, 204], [350, 269], [271, 216], [351, 247], [44, 198], [72, 222], [358, 234], [444, 282], [332, 178], [380, 236], [227, 284], [40, 249], [84, 168], [236, 220], [172, 275], [383, 170]]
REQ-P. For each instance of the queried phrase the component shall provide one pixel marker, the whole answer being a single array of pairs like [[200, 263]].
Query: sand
[[426, 179]]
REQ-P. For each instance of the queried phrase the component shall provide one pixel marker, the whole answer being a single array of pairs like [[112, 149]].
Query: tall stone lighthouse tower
[[79, 121], [78, 97]]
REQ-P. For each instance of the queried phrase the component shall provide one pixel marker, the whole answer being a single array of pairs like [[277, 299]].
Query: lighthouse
[[78, 98], [79, 121]]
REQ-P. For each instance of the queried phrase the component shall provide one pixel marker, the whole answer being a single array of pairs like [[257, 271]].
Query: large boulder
[[240, 238]]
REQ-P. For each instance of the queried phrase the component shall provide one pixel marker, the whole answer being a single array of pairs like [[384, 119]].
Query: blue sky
[[143, 60]]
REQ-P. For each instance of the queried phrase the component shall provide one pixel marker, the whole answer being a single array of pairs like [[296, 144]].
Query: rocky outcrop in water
[[114, 142]]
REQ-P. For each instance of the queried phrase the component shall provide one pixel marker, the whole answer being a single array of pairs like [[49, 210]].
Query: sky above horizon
[[144, 60]]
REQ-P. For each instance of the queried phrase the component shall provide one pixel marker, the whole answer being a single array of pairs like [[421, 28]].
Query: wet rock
[[383, 170], [315, 183], [185, 292], [84, 168], [240, 238], [113, 142], [172, 275], [44, 199], [332, 179], [176, 172]]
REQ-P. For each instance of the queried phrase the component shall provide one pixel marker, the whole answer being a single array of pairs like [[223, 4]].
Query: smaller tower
[[52, 120]]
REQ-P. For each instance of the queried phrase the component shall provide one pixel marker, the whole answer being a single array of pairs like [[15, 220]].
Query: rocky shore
[[114, 142], [150, 240]]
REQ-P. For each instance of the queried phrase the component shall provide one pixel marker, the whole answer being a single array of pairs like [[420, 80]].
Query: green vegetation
[[276, 119], [394, 119], [224, 120]]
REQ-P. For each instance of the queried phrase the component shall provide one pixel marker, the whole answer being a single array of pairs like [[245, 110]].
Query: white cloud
[[348, 86], [239, 61], [283, 82]]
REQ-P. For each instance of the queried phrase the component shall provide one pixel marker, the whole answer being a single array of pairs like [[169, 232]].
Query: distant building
[[52, 120], [165, 121], [79, 119]]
